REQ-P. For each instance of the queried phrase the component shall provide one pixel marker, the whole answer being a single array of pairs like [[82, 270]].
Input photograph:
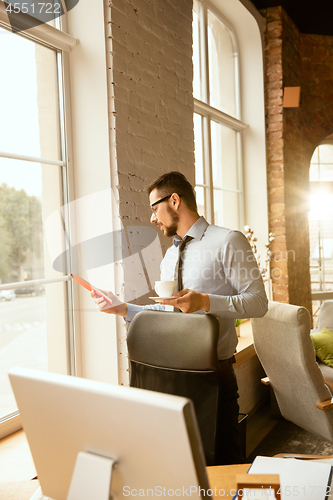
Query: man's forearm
[[189, 301], [119, 310], [243, 305]]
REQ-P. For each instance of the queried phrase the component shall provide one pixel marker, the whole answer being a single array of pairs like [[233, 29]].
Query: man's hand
[[119, 308], [189, 301]]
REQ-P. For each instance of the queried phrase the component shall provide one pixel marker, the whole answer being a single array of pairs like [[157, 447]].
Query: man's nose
[[153, 218]]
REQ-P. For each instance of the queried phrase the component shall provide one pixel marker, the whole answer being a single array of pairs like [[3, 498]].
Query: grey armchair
[[285, 349], [169, 353]]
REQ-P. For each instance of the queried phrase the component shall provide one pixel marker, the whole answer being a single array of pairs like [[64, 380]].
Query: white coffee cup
[[165, 288]]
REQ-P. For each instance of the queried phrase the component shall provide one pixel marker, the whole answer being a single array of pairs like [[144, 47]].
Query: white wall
[[89, 164]]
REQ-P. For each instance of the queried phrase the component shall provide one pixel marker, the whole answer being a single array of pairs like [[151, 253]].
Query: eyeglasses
[[158, 202]]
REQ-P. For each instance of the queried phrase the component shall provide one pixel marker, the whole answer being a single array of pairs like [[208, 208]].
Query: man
[[219, 275]]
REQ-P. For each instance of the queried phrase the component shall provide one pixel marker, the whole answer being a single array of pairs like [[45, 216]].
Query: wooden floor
[[258, 428]]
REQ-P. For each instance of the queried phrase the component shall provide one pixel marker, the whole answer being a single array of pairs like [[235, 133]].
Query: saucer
[[159, 299]]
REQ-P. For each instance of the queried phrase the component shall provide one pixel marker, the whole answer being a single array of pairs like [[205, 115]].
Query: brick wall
[[294, 59], [149, 48], [149, 60], [275, 157], [296, 174]]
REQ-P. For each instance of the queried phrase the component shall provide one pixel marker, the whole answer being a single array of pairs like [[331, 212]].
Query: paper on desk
[[299, 479]]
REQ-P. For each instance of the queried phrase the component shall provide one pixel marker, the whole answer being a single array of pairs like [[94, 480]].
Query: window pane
[[314, 172], [321, 219], [321, 206], [23, 333], [29, 192], [226, 209], [321, 168], [315, 159], [197, 76], [321, 254], [222, 77], [198, 150], [29, 122], [326, 172], [315, 272], [325, 154], [224, 156], [200, 197], [33, 319]]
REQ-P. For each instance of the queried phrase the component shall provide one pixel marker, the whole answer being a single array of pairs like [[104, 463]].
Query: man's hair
[[175, 182]]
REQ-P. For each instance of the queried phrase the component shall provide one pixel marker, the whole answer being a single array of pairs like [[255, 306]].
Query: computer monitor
[[74, 423]]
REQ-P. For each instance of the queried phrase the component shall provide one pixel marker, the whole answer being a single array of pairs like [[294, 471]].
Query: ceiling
[[313, 17]]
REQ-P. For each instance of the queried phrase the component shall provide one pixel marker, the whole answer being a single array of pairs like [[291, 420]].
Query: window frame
[[209, 113], [53, 38]]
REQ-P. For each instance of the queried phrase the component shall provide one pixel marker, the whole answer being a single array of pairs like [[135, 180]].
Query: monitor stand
[[91, 477]]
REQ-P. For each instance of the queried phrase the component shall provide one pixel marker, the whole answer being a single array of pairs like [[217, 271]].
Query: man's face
[[164, 215]]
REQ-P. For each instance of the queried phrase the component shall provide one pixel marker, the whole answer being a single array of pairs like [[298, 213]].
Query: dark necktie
[[179, 265]]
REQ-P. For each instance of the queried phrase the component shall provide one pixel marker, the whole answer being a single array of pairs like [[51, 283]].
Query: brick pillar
[[275, 154], [296, 173], [287, 163]]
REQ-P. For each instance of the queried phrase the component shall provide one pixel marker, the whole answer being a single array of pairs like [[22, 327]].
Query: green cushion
[[323, 343]]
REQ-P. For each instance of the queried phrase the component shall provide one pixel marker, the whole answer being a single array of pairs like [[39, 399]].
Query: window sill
[[10, 425], [16, 462], [245, 347]]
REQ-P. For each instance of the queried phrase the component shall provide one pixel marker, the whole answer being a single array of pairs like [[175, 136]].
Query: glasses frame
[[159, 201]]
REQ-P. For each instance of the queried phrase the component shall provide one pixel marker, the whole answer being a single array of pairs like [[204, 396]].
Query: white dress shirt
[[220, 262]]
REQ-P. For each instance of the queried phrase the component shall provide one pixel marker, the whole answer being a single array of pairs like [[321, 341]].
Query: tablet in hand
[[90, 287]]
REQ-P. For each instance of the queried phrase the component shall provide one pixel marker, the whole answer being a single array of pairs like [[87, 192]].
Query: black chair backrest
[[176, 353], [174, 340]]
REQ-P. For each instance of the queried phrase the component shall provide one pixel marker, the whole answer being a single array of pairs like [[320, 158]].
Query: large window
[[217, 124], [35, 319], [321, 219]]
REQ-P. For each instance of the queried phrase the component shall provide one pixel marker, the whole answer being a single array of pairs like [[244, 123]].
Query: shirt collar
[[196, 231]]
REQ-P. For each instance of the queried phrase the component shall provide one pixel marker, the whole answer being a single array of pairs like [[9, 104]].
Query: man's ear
[[175, 200]]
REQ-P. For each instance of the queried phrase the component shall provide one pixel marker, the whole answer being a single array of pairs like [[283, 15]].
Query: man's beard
[[172, 229]]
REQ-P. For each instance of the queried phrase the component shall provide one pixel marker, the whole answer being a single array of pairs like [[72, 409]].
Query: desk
[[16, 468], [19, 490], [221, 477]]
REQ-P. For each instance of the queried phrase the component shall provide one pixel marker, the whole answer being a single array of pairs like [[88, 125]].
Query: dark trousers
[[228, 447]]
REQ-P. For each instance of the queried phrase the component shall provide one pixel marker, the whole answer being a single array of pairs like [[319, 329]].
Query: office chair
[[285, 349], [176, 353]]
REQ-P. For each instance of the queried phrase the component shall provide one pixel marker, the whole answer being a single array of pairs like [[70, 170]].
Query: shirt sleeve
[[242, 272]]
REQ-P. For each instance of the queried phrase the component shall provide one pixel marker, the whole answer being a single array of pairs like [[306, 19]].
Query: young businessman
[[219, 275]]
